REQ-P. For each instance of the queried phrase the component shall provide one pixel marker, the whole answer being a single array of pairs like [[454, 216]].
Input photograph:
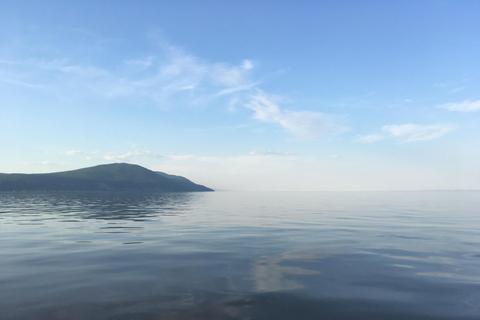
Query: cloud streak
[[163, 79], [408, 133], [267, 152], [415, 132], [132, 154], [126, 156], [44, 163], [172, 77], [88, 155], [370, 138], [302, 124], [465, 106]]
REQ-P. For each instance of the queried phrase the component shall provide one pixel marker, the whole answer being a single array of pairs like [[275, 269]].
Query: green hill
[[182, 181], [109, 177]]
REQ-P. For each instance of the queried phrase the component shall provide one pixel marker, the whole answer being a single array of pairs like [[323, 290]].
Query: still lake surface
[[240, 255]]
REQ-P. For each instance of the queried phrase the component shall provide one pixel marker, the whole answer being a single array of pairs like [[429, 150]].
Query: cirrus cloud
[[408, 132], [415, 132], [169, 77], [465, 106], [302, 124]]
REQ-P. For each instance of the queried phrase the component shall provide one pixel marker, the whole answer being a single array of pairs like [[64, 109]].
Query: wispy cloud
[[370, 138], [465, 106], [267, 152], [139, 64], [125, 156], [21, 83], [132, 154], [44, 163], [302, 124], [178, 74], [87, 155], [415, 132], [181, 157], [408, 132], [171, 75], [77, 152]]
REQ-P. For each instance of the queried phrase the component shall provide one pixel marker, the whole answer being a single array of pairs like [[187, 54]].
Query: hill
[[182, 181], [108, 177]]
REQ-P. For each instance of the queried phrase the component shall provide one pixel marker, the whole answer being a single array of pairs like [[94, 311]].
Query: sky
[[246, 95]]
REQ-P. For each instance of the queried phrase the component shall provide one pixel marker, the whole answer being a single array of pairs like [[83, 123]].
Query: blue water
[[228, 255]]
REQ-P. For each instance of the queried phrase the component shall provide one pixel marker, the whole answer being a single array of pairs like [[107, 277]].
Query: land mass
[[108, 177]]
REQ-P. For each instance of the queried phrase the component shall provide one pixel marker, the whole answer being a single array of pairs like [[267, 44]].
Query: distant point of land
[[108, 177]]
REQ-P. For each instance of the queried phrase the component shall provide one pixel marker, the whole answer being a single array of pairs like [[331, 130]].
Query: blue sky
[[246, 95]]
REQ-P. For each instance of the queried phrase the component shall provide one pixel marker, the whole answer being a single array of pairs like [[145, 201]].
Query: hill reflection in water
[[105, 205]]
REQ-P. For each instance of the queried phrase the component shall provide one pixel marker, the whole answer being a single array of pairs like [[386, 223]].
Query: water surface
[[226, 255]]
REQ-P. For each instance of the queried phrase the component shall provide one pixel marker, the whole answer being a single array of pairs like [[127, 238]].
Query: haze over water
[[240, 255]]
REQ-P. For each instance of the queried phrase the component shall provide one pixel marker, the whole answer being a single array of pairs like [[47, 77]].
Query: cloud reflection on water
[[276, 273]]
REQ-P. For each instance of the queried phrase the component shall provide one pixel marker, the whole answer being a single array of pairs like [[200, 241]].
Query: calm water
[[386, 255]]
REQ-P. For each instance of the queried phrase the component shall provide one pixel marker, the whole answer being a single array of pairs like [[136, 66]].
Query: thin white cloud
[[132, 154], [370, 138], [247, 64], [74, 152], [180, 157], [173, 77], [139, 64], [87, 155], [44, 163], [302, 124], [465, 106], [228, 76], [455, 90], [239, 88], [408, 132], [21, 83], [78, 152], [164, 78], [414, 132], [267, 152]]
